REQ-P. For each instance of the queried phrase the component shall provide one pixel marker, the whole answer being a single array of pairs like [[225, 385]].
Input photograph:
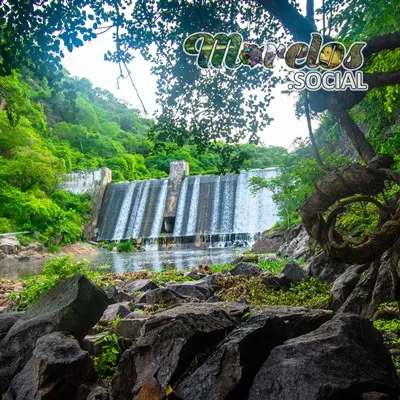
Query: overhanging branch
[[300, 27]]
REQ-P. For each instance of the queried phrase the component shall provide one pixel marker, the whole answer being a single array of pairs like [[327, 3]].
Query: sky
[[88, 62]]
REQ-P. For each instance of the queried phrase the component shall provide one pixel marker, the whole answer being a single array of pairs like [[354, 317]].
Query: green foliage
[[126, 246], [106, 362], [309, 293], [274, 266], [391, 325], [5, 225], [170, 275], [54, 271]]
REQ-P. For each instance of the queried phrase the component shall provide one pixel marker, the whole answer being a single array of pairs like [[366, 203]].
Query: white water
[[159, 215]]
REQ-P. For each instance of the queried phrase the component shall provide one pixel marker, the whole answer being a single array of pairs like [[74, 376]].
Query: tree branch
[[380, 43], [354, 133], [311, 134], [299, 26], [310, 11], [382, 79]]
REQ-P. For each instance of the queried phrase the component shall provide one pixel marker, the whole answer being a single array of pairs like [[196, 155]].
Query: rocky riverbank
[[175, 335]]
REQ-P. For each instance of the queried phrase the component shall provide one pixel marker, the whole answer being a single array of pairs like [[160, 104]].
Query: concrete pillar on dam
[[177, 172]]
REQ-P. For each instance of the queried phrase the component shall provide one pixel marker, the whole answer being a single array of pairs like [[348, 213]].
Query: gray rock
[[297, 243], [99, 393], [195, 291], [74, 305], [300, 320], [269, 242], [7, 320], [246, 269], [10, 245], [57, 368], [214, 299], [293, 273], [342, 359], [115, 310], [139, 285], [345, 284], [161, 296], [112, 294], [324, 268], [210, 283], [168, 344], [374, 288], [89, 343], [229, 371], [136, 314], [272, 281], [130, 328], [374, 396]]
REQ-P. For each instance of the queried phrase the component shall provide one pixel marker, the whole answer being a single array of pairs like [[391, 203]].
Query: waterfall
[[194, 205], [220, 210], [158, 217], [120, 227], [181, 209]]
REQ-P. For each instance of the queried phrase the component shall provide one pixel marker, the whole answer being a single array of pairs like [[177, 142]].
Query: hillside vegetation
[[47, 131]]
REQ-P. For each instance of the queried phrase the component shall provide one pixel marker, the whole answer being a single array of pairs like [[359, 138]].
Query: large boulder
[[345, 284], [324, 268], [115, 310], [139, 285], [229, 371], [73, 305], [269, 242], [342, 359], [374, 288], [293, 273], [57, 368], [297, 243], [246, 269], [10, 245], [170, 341], [7, 320]]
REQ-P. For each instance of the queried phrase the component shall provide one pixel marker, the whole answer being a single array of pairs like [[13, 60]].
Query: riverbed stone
[[139, 285], [345, 284], [130, 328], [55, 371], [10, 244], [342, 359], [293, 273], [324, 268], [163, 296], [89, 343], [74, 305], [194, 291], [7, 320], [169, 342], [246, 269], [230, 369], [228, 372], [115, 310]]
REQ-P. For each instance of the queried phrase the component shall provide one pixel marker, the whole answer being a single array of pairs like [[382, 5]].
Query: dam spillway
[[221, 209]]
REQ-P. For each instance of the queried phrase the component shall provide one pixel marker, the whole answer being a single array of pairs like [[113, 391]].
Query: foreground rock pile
[[179, 342]]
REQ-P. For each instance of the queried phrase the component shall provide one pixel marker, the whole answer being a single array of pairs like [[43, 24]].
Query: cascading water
[[217, 210], [133, 210]]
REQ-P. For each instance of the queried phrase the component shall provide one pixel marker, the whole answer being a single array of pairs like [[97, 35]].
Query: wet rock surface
[[342, 359], [55, 371], [73, 305]]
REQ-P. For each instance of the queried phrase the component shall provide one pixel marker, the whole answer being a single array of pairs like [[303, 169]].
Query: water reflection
[[124, 262]]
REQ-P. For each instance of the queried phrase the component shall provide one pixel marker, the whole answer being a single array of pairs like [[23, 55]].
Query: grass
[[310, 293]]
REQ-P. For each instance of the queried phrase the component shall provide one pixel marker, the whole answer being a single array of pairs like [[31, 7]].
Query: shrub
[[52, 273], [106, 362], [126, 246]]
